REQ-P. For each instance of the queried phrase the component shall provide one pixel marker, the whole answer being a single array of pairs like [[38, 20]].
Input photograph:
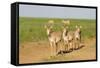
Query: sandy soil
[[32, 52]]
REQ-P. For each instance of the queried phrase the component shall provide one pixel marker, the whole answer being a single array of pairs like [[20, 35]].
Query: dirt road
[[31, 52]]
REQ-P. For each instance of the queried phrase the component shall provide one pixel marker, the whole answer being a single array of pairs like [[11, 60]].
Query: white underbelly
[[54, 39]]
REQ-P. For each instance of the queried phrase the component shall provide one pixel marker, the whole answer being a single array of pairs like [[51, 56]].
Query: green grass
[[32, 29]]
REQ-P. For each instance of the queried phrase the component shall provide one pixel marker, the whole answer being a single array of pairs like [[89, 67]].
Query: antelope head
[[49, 27], [78, 28]]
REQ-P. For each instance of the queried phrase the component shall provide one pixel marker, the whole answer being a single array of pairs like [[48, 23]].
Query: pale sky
[[56, 12]]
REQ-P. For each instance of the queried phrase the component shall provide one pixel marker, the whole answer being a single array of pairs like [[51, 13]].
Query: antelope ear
[[80, 26], [76, 26]]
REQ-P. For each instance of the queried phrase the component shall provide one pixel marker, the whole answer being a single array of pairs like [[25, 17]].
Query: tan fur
[[77, 36], [68, 37], [54, 38]]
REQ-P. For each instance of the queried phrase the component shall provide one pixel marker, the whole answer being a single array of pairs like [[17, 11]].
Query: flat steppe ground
[[40, 52]]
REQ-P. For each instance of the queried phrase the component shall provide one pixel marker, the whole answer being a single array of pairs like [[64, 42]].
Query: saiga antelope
[[77, 36], [54, 37], [68, 36]]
